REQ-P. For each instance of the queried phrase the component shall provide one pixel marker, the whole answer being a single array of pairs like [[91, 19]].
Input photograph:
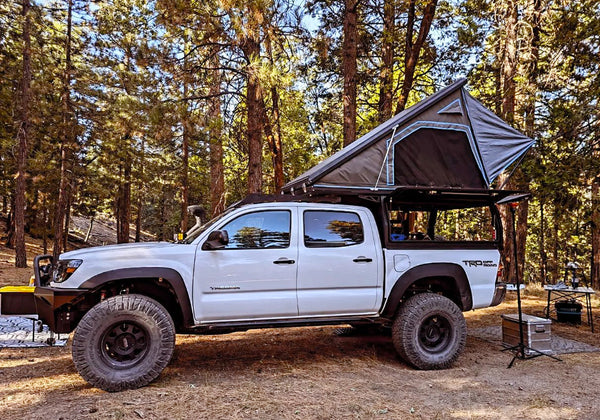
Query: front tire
[[124, 342], [429, 331]]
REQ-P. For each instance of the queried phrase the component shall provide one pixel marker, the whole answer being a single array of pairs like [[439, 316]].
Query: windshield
[[197, 229]]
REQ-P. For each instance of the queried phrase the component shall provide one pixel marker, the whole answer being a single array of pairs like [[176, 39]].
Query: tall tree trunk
[[386, 74], [349, 68], [542, 242], [124, 201], [270, 137], [59, 212], [595, 272], [555, 246], [10, 224], [251, 49], [185, 146], [70, 194], [277, 147], [522, 226], [23, 136], [215, 121], [509, 62], [507, 86], [140, 193], [595, 257], [413, 49], [44, 224], [534, 9], [275, 138]]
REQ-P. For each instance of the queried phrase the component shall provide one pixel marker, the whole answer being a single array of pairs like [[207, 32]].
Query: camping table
[[582, 294]]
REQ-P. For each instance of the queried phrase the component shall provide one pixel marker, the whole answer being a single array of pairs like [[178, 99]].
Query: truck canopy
[[449, 141]]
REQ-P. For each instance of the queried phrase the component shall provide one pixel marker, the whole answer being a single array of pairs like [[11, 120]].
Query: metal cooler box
[[536, 332]]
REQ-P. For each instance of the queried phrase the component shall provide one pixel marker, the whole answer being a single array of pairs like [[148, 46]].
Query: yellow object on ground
[[17, 289]]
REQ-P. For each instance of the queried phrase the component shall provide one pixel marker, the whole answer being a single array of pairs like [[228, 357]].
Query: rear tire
[[124, 342], [429, 331]]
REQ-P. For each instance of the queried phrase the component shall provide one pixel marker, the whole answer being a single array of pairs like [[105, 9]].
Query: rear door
[[338, 263]]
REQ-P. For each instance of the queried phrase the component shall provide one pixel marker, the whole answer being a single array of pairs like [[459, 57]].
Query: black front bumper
[[54, 307]]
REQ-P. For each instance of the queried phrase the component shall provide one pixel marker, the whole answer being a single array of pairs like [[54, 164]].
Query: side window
[[263, 229], [409, 225], [332, 229], [474, 224], [452, 225]]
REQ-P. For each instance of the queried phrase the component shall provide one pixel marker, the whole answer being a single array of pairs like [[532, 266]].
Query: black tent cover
[[449, 140]]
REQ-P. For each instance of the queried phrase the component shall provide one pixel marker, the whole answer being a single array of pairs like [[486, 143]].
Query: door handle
[[283, 260], [362, 260]]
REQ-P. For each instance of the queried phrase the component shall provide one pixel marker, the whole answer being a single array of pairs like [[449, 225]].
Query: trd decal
[[479, 263]]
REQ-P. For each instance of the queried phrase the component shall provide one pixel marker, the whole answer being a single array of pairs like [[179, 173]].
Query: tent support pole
[[385, 157]]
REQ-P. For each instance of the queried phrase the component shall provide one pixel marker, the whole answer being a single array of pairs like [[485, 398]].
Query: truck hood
[[135, 248]]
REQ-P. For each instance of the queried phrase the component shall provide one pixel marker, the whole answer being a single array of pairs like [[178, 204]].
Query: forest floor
[[313, 373]]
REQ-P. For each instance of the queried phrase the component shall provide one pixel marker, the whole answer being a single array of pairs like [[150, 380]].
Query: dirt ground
[[313, 373]]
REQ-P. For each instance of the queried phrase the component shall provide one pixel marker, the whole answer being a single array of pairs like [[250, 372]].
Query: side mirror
[[217, 239]]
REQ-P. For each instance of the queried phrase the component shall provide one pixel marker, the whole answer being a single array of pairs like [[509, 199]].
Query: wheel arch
[[446, 278], [148, 281]]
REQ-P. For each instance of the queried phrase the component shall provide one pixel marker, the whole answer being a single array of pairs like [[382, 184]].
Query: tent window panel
[[474, 224], [460, 225], [409, 225], [436, 157]]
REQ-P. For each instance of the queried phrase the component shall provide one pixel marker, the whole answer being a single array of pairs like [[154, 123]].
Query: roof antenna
[[385, 156]]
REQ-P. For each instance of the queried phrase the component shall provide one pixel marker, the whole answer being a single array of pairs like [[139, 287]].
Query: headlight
[[64, 269]]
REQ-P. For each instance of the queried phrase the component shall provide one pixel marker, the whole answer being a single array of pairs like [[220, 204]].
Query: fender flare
[[169, 275], [447, 270]]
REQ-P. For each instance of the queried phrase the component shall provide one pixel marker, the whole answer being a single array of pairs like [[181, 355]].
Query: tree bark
[[23, 141], [251, 49], [542, 244], [509, 62], [124, 201], [595, 259], [215, 124], [349, 69], [386, 74], [413, 50], [185, 188], [10, 224], [67, 218], [275, 138], [59, 212], [507, 86], [140, 192]]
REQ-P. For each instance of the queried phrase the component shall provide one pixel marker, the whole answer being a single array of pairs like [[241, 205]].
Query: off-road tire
[[429, 331], [124, 342]]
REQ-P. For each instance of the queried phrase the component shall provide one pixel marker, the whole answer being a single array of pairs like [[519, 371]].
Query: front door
[[254, 276]]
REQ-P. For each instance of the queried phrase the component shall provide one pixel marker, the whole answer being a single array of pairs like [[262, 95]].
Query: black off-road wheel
[[124, 342], [429, 331]]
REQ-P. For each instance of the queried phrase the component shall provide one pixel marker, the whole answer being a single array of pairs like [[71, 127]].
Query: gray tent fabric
[[448, 140], [500, 144]]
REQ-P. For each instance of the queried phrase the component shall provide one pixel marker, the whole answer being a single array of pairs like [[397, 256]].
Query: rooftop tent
[[448, 140]]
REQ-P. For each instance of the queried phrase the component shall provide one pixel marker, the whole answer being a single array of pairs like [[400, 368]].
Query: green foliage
[[141, 79]]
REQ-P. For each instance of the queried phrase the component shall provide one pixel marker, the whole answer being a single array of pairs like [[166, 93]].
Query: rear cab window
[[326, 229]]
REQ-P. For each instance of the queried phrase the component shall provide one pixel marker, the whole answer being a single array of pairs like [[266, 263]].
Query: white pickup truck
[[407, 262]]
